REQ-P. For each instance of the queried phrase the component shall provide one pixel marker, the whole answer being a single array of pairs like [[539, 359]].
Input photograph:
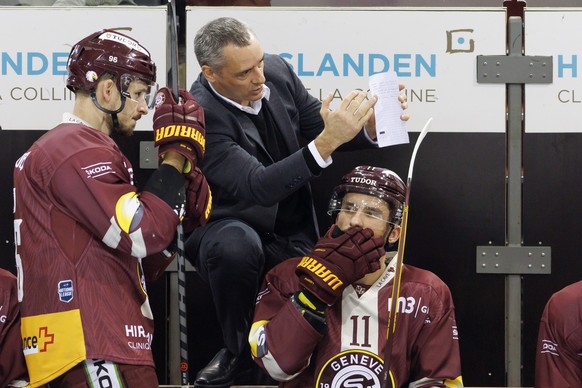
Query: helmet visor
[[371, 208], [139, 90]]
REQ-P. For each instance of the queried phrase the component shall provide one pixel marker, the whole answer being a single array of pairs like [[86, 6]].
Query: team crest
[[91, 76], [352, 368]]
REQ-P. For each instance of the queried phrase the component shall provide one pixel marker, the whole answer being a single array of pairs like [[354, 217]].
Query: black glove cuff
[[309, 311]]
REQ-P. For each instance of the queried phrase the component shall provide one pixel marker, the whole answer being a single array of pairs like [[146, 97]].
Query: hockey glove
[[339, 259], [179, 127], [198, 201]]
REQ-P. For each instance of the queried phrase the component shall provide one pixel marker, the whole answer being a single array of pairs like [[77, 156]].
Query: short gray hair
[[215, 35]]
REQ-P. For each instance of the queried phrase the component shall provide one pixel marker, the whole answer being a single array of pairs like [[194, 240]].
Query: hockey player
[[559, 350], [321, 320], [87, 240], [12, 366]]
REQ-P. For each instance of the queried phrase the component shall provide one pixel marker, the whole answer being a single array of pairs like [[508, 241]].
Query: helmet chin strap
[[113, 113]]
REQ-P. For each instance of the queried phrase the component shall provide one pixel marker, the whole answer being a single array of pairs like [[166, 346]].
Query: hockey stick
[[398, 269], [172, 78]]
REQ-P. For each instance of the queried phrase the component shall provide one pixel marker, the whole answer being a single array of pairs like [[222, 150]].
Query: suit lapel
[[247, 125], [282, 120]]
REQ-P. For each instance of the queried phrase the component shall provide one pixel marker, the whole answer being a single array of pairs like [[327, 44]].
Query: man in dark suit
[[256, 110]]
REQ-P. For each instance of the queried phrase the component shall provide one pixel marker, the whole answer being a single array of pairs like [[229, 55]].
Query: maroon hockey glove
[[339, 259], [179, 127], [198, 201]]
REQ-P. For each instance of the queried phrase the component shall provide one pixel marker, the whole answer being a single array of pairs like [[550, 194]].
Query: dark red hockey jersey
[[559, 349], [12, 366], [350, 353], [82, 234]]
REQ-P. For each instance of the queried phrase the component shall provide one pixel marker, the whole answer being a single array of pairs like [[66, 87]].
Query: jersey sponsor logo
[[352, 368], [65, 290], [409, 305], [50, 342], [321, 272], [38, 343], [103, 374], [98, 169], [2, 317], [550, 347], [183, 131], [141, 339]]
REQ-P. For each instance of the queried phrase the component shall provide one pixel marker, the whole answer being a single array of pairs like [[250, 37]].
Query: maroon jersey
[[12, 366], [559, 350], [351, 351], [82, 232]]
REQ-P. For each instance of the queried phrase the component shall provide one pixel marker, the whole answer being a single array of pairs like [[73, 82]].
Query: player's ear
[[105, 89], [394, 234]]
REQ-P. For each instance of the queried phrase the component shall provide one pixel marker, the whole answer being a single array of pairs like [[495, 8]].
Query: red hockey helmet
[[108, 51], [375, 181]]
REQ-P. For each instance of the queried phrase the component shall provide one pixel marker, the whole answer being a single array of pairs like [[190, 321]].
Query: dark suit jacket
[[242, 186]]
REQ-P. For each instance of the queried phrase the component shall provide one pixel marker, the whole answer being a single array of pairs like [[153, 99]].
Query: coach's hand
[[198, 201], [339, 259], [179, 127]]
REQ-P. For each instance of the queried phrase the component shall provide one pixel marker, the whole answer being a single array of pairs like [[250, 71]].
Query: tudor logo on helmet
[[113, 36], [365, 181]]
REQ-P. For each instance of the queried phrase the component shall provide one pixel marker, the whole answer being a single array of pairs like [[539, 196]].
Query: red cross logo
[[43, 334]]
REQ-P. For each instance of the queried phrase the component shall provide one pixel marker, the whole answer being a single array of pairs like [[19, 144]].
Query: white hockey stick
[[398, 269]]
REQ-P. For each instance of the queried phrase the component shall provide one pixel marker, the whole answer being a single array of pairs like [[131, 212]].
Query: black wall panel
[[457, 203]]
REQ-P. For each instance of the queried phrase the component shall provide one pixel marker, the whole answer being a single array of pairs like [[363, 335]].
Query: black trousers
[[233, 258]]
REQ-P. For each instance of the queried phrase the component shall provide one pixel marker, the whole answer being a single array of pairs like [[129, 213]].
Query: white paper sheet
[[390, 130]]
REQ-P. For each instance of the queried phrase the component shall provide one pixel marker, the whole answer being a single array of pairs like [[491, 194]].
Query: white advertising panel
[[433, 52], [36, 42], [555, 107]]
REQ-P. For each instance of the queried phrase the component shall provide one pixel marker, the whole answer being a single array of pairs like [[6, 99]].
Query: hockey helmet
[[111, 52], [375, 181]]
